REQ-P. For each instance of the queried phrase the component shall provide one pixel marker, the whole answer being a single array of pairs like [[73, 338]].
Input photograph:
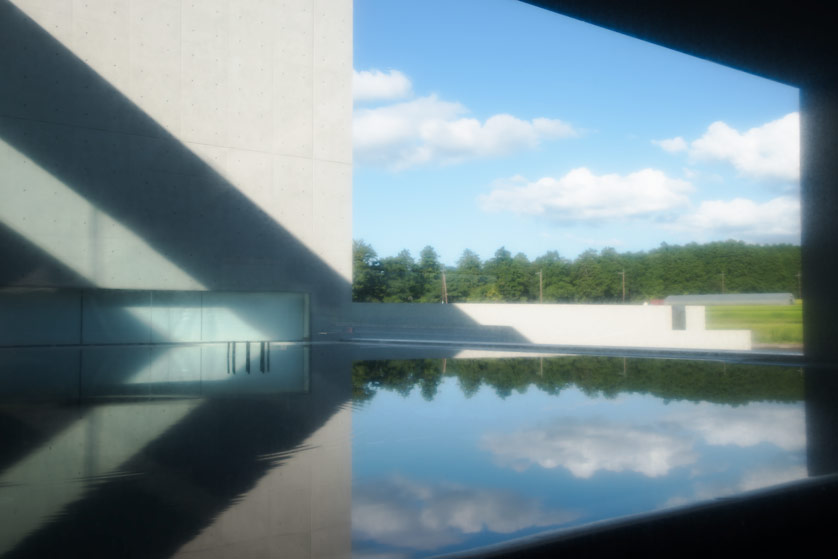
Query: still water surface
[[497, 449], [334, 452]]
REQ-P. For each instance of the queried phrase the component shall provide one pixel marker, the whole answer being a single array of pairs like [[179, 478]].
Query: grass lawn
[[769, 324]]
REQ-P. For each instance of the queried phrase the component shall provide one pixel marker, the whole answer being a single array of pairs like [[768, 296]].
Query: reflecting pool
[[454, 454], [342, 450]]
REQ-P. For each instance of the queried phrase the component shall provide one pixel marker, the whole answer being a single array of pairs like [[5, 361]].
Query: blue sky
[[488, 123]]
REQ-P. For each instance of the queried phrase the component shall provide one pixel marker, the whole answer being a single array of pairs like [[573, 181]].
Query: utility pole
[[623, 273], [540, 286], [723, 282], [444, 288]]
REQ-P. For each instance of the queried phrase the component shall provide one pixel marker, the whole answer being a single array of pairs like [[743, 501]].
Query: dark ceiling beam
[[790, 42]]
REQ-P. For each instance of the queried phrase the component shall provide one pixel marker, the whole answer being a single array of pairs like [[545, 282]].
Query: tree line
[[732, 384], [606, 276]]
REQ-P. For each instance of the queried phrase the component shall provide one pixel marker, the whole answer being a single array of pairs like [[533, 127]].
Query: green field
[[780, 325]]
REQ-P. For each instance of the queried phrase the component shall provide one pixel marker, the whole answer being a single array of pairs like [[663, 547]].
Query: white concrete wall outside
[[576, 325], [696, 317]]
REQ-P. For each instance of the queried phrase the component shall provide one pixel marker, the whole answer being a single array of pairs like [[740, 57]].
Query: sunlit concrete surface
[[575, 325], [153, 144], [77, 233]]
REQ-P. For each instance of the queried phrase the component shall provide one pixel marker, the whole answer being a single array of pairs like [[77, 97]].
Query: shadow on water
[[187, 461]]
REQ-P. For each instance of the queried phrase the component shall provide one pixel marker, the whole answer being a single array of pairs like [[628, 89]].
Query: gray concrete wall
[[163, 144]]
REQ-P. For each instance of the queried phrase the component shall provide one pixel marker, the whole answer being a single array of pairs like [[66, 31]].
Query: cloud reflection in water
[[587, 446], [410, 514], [782, 425]]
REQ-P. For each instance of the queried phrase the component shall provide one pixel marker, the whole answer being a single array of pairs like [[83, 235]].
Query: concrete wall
[[574, 325], [164, 144]]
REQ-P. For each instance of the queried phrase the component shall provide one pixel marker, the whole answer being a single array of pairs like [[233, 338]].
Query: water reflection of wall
[[300, 509], [231, 471]]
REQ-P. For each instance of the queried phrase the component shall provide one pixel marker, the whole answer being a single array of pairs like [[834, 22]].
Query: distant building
[[731, 299]]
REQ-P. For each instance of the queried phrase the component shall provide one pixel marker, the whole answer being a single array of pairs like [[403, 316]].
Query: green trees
[[555, 274], [589, 278], [367, 278], [429, 272], [697, 381], [465, 281], [593, 277], [402, 283], [510, 275]]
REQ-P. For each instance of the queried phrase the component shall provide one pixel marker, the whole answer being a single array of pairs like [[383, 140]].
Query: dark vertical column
[[821, 421], [819, 199]]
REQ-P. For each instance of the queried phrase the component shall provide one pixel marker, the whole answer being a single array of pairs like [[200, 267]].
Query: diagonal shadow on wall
[[73, 124], [63, 116]]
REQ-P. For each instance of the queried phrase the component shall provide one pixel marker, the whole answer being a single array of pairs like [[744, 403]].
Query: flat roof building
[[712, 299]]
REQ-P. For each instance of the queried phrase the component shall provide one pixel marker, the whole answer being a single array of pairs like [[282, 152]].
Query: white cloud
[[587, 446], [765, 476], [581, 195], [672, 145], [584, 448], [782, 425], [375, 85], [404, 513], [775, 220], [770, 151], [429, 130], [769, 476]]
